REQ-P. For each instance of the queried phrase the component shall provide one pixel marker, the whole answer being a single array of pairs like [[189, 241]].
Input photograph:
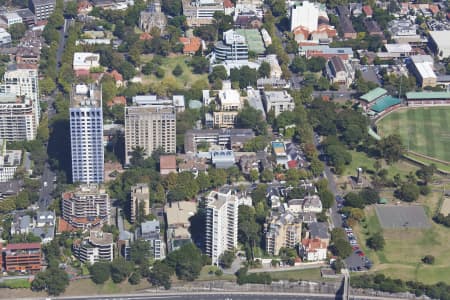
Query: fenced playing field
[[396, 217], [424, 130]]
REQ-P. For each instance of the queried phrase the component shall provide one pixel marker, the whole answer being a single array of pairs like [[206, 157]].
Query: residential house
[[191, 45], [167, 164], [313, 250], [340, 72]]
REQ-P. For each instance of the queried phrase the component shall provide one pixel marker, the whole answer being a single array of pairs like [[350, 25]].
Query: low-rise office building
[[232, 138], [278, 102], [422, 68], [42, 9]]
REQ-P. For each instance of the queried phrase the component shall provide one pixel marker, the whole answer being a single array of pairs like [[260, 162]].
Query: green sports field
[[424, 130]]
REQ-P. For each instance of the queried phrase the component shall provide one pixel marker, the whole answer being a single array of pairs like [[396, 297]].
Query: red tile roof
[[117, 100], [367, 10], [145, 36], [191, 45], [292, 164], [167, 162], [23, 246], [228, 4], [116, 75]]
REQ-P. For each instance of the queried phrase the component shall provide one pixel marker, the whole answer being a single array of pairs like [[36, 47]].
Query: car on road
[[45, 183], [360, 253]]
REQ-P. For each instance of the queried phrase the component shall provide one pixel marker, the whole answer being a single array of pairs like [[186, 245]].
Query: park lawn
[[185, 80], [440, 166], [424, 130], [296, 275], [404, 249], [205, 275], [362, 160], [87, 287]]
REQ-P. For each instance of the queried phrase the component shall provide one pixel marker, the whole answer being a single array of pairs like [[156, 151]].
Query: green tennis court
[[424, 130]]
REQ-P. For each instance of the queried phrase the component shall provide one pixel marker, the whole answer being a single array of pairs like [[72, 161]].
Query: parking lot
[[357, 261]]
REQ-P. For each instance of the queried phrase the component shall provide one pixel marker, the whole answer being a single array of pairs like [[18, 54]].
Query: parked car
[[353, 242]]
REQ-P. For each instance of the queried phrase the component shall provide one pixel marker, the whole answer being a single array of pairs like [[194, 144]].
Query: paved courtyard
[[392, 216]]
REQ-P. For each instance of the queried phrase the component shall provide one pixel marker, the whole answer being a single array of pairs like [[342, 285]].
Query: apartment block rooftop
[[100, 238], [86, 95]]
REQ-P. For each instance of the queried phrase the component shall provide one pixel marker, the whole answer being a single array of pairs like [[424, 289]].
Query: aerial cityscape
[[224, 149]]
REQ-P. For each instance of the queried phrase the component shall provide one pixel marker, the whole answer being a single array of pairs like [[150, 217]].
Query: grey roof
[[337, 64], [125, 235], [319, 230], [24, 222], [150, 226], [47, 232]]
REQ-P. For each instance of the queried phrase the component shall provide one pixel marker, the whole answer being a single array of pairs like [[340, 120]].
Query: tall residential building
[[222, 222], [86, 207], [283, 231], [150, 127], [86, 133], [23, 81], [17, 118], [42, 9], [140, 196]]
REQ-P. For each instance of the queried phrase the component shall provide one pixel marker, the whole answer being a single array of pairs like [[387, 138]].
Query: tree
[[177, 71], [127, 70], [408, 192], [139, 251], [135, 278], [327, 198], [137, 156], [354, 200], [172, 7], [199, 64], [264, 70], [120, 269], [100, 272], [428, 259], [218, 72], [253, 175], [298, 65], [425, 173], [376, 241], [316, 166], [187, 261], [226, 259], [342, 248], [267, 175], [369, 196], [338, 265], [160, 275], [54, 280], [250, 117], [160, 72], [17, 31], [47, 85], [391, 148]]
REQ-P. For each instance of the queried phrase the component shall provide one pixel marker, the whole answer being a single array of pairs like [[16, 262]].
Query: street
[[48, 176]]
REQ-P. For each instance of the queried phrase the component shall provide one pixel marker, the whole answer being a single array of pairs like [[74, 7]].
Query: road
[[304, 266], [211, 296], [47, 185]]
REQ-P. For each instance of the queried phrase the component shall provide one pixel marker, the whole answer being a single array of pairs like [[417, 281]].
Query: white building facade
[[86, 134]]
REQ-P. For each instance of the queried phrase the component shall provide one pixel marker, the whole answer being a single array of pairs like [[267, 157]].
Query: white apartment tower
[[17, 118], [86, 133], [150, 127], [221, 225], [23, 81]]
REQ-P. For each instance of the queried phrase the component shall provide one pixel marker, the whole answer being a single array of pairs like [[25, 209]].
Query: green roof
[[385, 102], [373, 94], [427, 95], [253, 38], [383, 201]]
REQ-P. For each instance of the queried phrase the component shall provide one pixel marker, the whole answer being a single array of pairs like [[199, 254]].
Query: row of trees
[[382, 283]]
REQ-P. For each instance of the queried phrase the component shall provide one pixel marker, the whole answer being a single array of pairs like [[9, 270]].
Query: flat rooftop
[[86, 95], [441, 38], [180, 212]]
